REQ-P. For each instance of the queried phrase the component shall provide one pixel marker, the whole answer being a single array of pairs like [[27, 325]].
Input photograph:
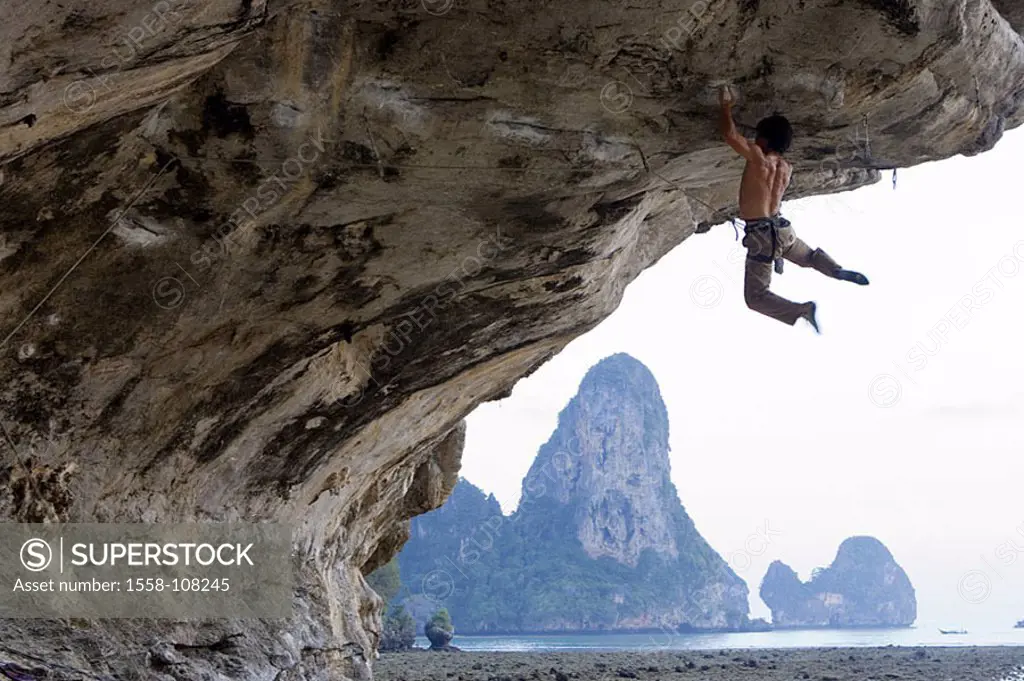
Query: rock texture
[[260, 257], [864, 587], [607, 463], [962, 663], [439, 638], [456, 558], [600, 541]]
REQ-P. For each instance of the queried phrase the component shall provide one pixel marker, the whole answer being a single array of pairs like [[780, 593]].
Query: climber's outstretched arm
[[743, 147]]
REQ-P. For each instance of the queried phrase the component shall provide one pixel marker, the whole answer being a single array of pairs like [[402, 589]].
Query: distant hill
[[864, 586], [600, 541]]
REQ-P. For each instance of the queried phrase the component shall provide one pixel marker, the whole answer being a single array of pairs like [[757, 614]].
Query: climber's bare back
[[766, 175], [765, 179]]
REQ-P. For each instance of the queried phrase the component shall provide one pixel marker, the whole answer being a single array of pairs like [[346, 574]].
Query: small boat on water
[[953, 632]]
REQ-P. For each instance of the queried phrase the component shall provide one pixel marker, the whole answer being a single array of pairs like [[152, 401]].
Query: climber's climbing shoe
[[812, 316], [850, 275]]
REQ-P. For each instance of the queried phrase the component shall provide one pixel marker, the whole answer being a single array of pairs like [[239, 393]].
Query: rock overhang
[[488, 181]]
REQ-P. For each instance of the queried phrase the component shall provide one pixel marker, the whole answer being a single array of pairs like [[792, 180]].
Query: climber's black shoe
[[812, 317], [850, 275]]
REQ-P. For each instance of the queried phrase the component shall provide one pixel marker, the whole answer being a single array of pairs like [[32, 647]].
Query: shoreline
[[918, 663], [684, 632], [926, 635]]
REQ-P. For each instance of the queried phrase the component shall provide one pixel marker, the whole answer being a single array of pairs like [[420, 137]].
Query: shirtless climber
[[769, 238]]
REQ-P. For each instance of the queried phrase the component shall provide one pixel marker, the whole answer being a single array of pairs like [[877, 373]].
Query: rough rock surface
[[608, 462], [664, 664], [604, 476], [464, 531], [260, 257], [599, 542], [863, 587], [438, 636]]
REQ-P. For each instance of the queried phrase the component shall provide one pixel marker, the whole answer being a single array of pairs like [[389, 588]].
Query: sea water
[[921, 635]]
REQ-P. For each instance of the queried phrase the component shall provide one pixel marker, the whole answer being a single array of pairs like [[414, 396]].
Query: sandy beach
[[820, 664]]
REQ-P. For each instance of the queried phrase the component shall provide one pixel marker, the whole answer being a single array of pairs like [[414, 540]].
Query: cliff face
[[260, 257], [607, 464], [464, 557], [600, 540], [864, 586], [603, 479]]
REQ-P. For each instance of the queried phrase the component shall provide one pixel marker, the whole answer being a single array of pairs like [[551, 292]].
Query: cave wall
[[259, 258]]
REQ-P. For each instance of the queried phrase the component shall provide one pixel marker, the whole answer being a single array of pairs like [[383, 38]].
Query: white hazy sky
[[855, 431]]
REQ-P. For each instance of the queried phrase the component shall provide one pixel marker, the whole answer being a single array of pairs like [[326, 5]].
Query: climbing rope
[[674, 185]]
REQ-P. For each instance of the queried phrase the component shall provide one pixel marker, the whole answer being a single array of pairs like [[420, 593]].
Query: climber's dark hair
[[776, 132]]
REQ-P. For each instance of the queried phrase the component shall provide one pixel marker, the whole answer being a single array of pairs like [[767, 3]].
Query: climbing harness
[[756, 227]]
